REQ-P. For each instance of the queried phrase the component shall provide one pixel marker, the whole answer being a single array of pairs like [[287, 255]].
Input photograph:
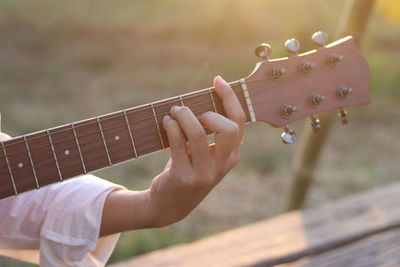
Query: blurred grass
[[63, 61]]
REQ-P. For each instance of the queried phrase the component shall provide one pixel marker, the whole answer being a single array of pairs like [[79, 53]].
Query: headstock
[[285, 90]]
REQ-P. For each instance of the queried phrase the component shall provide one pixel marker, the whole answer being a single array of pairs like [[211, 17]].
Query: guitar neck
[[34, 160]]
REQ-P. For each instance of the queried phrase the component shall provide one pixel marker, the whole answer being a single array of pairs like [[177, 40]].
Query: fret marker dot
[[117, 137], [20, 165], [66, 152]]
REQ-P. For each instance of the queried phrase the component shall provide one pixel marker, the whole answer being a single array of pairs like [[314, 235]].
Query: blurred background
[[63, 61]]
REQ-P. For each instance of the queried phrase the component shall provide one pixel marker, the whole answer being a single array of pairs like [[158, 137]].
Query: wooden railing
[[361, 230]]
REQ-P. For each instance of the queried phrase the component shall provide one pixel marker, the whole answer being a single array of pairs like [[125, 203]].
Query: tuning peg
[[263, 50], [316, 99], [343, 92], [307, 66], [343, 116], [288, 110], [276, 72], [288, 136], [316, 126], [293, 46], [320, 38], [334, 58]]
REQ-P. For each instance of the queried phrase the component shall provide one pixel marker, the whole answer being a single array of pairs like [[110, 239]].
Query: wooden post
[[353, 22]]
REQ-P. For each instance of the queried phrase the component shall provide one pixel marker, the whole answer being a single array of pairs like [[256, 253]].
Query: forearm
[[126, 210]]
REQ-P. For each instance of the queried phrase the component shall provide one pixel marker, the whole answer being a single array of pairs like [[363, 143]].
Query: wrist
[[156, 213], [141, 213], [126, 210], [150, 211], [163, 210]]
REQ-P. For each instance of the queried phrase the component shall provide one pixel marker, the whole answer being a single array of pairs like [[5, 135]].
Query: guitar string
[[144, 108], [123, 125], [51, 156], [206, 92], [107, 129]]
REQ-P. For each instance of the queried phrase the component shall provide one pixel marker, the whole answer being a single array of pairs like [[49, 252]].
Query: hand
[[195, 169]]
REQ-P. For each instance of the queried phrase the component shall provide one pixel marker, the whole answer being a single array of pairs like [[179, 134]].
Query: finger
[[232, 106], [168, 165], [226, 132], [177, 141], [196, 136], [4, 137]]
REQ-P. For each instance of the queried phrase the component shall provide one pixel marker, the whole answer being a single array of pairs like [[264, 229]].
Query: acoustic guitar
[[278, 92]]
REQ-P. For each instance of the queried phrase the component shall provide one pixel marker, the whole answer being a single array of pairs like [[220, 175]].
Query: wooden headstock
[[333, 76]]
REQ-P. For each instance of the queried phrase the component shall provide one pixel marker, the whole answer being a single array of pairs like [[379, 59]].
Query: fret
[[42, 160], [79, 148], [212, 99], [248, 100], [104, 141], [117, 137], [54, 155], [66, 150], [30, 159], [20, 165], [163, 108], [10, 190], [237, 88], [181, 100], [130, 133], [218, 103], [91, 144], [199, 102], [145, 134], [158, 127]]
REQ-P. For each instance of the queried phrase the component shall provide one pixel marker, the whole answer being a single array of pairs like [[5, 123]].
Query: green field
[[63, 61]]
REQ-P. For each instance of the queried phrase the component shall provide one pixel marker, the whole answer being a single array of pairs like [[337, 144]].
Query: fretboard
[[34, 160]]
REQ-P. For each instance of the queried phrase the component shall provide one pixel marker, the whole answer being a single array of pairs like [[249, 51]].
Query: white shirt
[[58, 225]]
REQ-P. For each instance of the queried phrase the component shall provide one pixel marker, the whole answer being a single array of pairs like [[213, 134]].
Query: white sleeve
[[58, 225]]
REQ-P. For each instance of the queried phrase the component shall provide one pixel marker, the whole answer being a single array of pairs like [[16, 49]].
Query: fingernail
[[167, 118], [219, 80], [174, 108]]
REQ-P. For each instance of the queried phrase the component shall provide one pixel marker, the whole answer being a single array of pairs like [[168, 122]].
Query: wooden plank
[[287, 237], [382, 249]]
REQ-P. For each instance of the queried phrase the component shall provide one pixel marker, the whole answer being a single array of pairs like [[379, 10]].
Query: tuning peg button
[[263, 50], [320, 38], [292, 45], [288, 136]]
